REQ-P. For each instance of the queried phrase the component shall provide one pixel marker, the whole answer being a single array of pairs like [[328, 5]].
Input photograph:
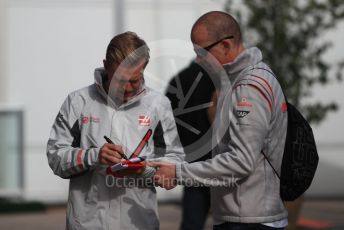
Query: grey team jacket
[[251, 117], [96, 201]]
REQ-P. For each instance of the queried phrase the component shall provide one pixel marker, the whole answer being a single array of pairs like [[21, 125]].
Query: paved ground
[[315, 214]]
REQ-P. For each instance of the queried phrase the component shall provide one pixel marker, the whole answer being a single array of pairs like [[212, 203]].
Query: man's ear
[[227, 46], [146, 63], [104, 64]]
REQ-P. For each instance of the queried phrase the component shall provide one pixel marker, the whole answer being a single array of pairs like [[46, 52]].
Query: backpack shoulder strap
[[267, 159]]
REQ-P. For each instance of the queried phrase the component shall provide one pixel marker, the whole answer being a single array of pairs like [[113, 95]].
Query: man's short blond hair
[[127, 49]]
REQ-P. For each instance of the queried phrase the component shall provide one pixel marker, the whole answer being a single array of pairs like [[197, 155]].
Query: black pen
[[108, 140]]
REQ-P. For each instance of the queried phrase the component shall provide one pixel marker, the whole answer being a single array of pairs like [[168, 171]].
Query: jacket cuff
[[179, 173], [91, 157], [148, 172]]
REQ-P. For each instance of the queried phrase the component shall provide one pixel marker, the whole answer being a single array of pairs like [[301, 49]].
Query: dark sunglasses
[[202, 52]]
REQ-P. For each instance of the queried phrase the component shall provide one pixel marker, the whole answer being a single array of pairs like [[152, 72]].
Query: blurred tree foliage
[[288, 32]]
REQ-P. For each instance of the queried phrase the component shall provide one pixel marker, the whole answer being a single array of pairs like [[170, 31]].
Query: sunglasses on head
[[202, 52]]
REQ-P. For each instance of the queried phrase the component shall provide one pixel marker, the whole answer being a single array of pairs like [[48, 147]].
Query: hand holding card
[[127, 167]]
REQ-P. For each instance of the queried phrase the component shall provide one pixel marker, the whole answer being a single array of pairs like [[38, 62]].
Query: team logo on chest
[[144, 120]]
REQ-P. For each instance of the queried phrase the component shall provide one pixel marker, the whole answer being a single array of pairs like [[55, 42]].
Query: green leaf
[[289, 33]]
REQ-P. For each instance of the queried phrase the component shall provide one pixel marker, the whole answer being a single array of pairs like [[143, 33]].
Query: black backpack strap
[[285, 97], [266, 158]]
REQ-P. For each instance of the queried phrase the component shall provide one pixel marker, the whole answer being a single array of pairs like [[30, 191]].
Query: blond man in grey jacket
[[251, 118], [118, 105]]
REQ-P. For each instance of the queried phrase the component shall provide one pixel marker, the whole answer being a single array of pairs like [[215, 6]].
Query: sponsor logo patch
[[91, 119], [144, 120], [241, 113], [244, 103], [85, 120], [95, 119]]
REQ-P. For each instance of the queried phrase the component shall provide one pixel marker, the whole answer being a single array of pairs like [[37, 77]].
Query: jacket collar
[[248, 57]]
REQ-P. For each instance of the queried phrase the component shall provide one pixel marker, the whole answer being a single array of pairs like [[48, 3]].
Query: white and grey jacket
[[251, 117], [97, 201]]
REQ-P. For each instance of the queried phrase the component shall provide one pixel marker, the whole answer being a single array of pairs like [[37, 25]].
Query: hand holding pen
[[108, 140], [132, 166], [110, 154], [134, 158]]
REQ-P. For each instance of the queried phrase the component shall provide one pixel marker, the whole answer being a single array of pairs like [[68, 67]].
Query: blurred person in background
[[190, 93], [120, 106]]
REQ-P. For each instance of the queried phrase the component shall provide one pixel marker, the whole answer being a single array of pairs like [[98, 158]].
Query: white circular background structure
[[168, 57]]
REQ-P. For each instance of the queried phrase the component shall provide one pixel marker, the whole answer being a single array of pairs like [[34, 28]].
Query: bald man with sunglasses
[[251, 121]]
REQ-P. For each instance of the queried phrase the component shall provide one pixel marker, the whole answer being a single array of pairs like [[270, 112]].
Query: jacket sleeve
[[240, 147], [65, 156], [169, 147]]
